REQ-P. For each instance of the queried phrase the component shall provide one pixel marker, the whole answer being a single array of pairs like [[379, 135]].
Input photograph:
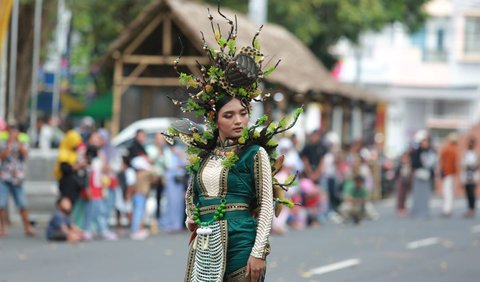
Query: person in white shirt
[[470, 176]]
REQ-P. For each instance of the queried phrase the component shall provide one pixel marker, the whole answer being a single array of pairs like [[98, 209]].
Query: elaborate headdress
[[237, 74], [233, 73]]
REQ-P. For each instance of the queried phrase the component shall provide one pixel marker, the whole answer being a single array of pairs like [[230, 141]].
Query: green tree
[[321, 23], [99, 23]]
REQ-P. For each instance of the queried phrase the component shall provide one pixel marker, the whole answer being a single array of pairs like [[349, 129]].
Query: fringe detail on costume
[[209, 256]]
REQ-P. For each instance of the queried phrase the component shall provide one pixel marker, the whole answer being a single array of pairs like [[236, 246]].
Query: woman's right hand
[[191, 225]]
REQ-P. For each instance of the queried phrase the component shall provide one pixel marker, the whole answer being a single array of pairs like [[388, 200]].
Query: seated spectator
[[355, 196], [60, 227], [312, 195]]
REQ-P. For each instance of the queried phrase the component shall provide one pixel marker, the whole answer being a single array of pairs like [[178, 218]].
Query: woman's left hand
[[255, 269]]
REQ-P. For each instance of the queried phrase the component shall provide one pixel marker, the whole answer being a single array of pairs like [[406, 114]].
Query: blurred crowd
[[104, 190], [109, 192]]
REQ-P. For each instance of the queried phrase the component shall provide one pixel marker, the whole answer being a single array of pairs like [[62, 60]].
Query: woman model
[[231, 195]]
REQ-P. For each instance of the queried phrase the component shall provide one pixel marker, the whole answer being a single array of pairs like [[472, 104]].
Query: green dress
[[245, 226]]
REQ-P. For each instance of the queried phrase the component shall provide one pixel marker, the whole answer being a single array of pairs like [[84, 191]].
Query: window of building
[[472, 36], [440, 40]]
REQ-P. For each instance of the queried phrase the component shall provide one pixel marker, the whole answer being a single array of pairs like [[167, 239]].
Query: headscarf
[[67, 152]]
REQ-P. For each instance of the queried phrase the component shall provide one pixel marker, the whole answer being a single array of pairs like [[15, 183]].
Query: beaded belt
[[232, 210], [229, 207]]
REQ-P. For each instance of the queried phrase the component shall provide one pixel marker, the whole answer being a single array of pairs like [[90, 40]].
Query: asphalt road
[[390, 249]]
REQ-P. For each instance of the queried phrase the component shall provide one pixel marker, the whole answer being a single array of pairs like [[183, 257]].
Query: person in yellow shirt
[[69, 164]]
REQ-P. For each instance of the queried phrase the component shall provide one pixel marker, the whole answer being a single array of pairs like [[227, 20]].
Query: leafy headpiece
[[233, 73]]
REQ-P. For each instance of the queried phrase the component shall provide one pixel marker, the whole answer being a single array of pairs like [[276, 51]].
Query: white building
[[431, 79]]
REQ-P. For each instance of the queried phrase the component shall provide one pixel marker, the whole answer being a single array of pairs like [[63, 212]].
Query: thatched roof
[[300, 71]]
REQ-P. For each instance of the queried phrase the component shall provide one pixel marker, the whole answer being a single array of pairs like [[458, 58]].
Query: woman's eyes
[[229, 116]]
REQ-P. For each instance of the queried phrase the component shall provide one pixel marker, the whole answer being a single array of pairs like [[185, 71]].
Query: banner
[[5, 12]]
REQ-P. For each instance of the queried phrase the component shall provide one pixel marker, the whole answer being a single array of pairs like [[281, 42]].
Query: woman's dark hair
[[92, 152]]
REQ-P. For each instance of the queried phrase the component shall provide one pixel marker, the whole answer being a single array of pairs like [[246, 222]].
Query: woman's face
[[232, 118], [95, 140], [425, 144]]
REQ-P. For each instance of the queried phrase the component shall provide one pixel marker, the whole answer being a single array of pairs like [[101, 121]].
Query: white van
[[151, 126]]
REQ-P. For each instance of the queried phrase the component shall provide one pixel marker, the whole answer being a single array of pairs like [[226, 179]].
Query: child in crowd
[[355, 197], [60, 227]]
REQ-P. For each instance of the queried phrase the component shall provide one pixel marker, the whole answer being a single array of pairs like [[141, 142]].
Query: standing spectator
[[448, 166], [329, 174], [127, 180], [312, 155], [175, 159], [156, 154], [142, 165], [48, 133], [60, 227], [138, 146], [287, 148], [87, 126], [44, 134], [423, 161], [111, 165], [13, 154], [67, 165], [470, 176], [403, 175], [96, 210]]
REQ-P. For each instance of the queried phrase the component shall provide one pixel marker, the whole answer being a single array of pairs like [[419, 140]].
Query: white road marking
[[331, 267], [476, 229], [423, 243]]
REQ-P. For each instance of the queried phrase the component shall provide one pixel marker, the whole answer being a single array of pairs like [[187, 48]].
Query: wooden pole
[[13, 61], [167, 36], [117, 94], [35, 62]]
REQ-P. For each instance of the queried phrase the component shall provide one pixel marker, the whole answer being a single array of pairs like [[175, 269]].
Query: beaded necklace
[[219, 213]]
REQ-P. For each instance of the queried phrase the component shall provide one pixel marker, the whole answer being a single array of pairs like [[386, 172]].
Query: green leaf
[[261, 120], [242, 92], [268, 71], [272, 142], [282, 123], [232, 48], [187, 80], [230, 161], [290, 178], [222, 42], [212, 52], [172, 131], [256, 44]]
